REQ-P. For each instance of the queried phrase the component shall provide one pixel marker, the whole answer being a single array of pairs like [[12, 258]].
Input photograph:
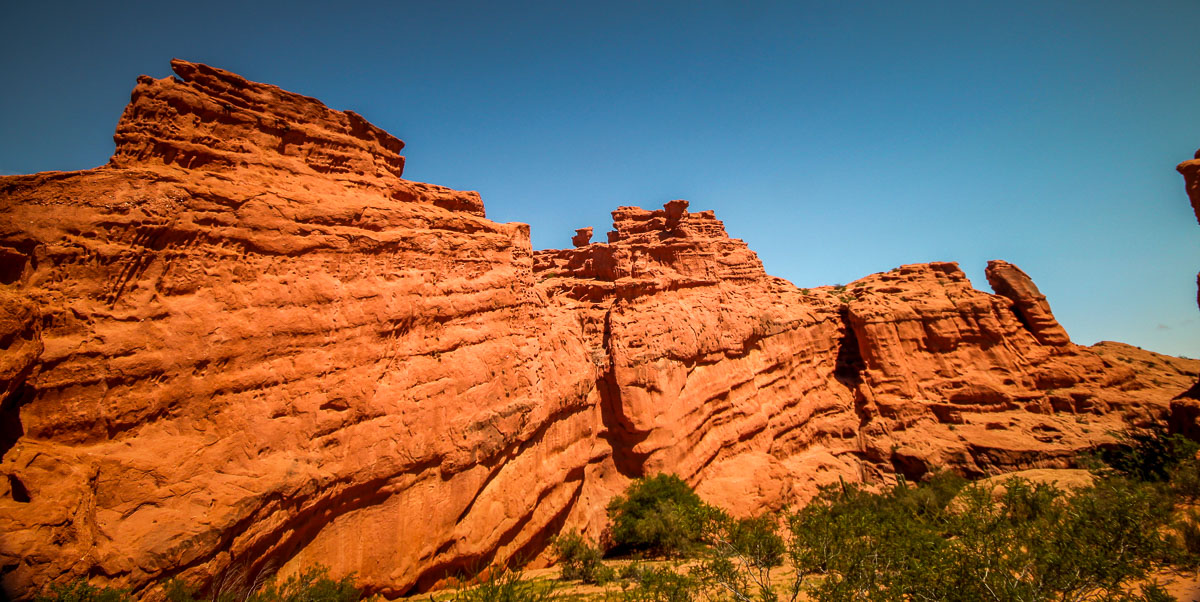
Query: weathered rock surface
[[247, 344], [257, 359]]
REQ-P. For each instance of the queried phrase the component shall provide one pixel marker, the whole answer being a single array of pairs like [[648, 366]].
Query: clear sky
[[838, 138]]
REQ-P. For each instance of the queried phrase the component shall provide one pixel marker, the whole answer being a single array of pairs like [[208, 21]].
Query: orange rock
[[582, 238], [1189, 407], [1009, 281], [247, 344]]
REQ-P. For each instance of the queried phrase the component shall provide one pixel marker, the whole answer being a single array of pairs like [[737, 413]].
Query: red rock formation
[[248, 344], [1030, 304], [1185, 412], [582, 238], [1191, 178]]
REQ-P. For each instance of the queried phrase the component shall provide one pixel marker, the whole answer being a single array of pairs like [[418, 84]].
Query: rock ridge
[[648, 247]]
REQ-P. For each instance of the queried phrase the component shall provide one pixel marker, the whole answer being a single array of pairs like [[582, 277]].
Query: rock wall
[[248, 345], [252, 359]]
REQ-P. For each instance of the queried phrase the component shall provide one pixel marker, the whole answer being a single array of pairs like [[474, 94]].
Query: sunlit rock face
[[248, 345]]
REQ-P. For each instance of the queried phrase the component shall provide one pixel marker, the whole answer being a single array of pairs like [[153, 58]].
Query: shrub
[[743, 553], [310, 585], [932, 497], [1148, 454], [1034, 542], [503, 586], [579, 559], [1154, 593], [82, 591], [866, 545], [1185, 479], [632, 571], [658, 515], [1188, 530], [663, 584]]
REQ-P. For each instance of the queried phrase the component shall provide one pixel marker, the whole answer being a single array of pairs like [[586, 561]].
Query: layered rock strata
[[258, 359], [248, 345]]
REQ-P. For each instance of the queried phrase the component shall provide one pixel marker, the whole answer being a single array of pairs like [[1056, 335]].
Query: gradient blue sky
[[837, 138]]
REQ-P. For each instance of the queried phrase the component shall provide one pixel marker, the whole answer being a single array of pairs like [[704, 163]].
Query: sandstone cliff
[[247, 344]]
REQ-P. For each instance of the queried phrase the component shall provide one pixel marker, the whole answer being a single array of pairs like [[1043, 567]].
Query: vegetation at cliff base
[[579, 559], [310, 585], [656, 515], [944, 539]]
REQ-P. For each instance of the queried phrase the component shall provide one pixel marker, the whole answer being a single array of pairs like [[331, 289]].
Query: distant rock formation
[[1185, 412], [247, 344]]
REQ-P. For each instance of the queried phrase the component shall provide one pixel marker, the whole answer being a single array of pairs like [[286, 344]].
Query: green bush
[[657, 515], [1154, 593], [1148, 454], [632, 571], [865, 545], [82, 591], [663, 584], [503, 586], [1034, 542], [1185, 479], [310, 585], [742, 554], [1187, 530], [579, 559]]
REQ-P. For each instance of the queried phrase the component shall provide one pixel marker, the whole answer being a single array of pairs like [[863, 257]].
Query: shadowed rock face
[[247, 344]]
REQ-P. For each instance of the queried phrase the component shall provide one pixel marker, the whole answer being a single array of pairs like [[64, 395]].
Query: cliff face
[[227, 352], [248, 344]]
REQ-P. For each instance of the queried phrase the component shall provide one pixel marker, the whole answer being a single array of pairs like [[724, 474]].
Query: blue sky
[[837, 138]]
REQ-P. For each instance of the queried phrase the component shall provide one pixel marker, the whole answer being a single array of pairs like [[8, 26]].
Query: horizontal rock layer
[[248, 345]]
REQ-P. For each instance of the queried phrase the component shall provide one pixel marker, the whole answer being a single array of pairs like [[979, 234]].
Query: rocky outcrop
[[1191, 178], [248, 345], [1185, 411], [582, 238], [1030, 304]]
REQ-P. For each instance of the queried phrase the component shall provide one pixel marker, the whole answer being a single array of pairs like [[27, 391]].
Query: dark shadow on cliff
[[621, 440], [11, 429], [849, 365]]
